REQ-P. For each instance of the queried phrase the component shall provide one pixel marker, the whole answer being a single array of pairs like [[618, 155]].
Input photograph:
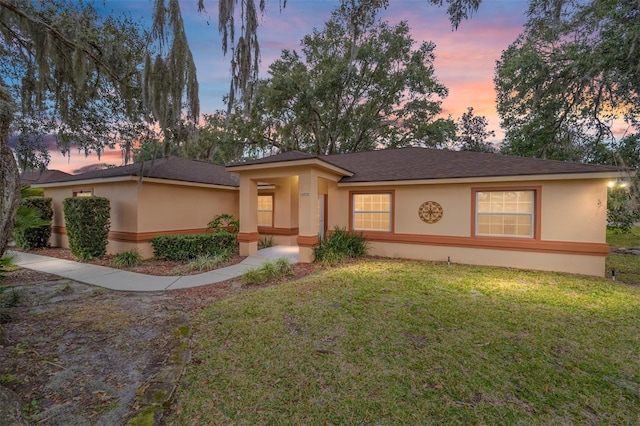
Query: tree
[[84, 110], [245, 49], [473, 133], [563, 83], [31, 152], [359, 84], [72, 63], [222, 139]]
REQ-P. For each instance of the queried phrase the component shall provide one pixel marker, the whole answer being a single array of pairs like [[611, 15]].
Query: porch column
[[307, 215], [248, 236]]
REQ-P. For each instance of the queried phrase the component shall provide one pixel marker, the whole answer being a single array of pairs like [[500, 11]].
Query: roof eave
[[492, 179], [94, 181], [290, 163]]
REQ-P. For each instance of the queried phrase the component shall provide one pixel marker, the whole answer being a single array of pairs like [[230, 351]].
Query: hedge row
[[185, 247], [87, 222]]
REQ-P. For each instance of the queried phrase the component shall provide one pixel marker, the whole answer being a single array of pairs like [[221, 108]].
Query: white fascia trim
[[491, 179], [88, 182], [84, 182]]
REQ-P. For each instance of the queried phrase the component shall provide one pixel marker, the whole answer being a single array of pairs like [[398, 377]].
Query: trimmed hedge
[[186, 247], [87, 222], [37, 236]]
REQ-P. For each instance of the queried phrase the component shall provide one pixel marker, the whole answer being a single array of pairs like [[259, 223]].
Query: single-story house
[[160, 197], [420, 203], [417, 203]]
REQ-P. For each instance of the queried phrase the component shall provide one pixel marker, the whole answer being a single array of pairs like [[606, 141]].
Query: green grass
[[402, 342], [627, 266], [629, 240]]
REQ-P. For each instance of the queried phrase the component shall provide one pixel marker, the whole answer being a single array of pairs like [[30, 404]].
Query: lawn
[[627, 266], [403, 342]]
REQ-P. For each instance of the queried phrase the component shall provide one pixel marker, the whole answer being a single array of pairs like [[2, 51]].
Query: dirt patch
[[77, 354]]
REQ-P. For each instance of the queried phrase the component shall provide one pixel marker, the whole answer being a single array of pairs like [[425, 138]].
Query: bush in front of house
[[622, 211], [33, 223], [340, 245], [269, 270], [126, 259], [87, 221], [187, 247], [224, 222]]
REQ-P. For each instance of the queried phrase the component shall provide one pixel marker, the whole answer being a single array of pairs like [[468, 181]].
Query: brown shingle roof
[[172, 168], [285, 156], [426, 163], [36, 176]]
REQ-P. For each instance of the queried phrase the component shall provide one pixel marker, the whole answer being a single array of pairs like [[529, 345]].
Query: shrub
[[127, 258], [28, 191], [224, 222], [340, 245], [265, 242], [621, 210], [269, 270], [33, 223], [87, 222], [186, 247], [208, 262], [10, 300]]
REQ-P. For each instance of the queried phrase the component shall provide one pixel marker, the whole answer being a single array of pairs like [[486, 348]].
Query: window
[[372, 212], [83, 193], [265, 210], [505, 213]]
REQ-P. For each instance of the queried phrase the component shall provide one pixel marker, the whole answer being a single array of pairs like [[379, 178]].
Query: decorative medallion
[[430, 212]]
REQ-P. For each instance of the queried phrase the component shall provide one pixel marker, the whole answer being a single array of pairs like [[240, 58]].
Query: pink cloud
[[75, 161]]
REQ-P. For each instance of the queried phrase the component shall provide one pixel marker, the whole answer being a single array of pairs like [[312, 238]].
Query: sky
[[465, 58]]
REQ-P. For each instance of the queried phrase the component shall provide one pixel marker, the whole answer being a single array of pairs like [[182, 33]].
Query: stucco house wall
[[285, 210], [174, 196], [122, 200], [569, 205], [182, 196], [572, 212], [140, 211]]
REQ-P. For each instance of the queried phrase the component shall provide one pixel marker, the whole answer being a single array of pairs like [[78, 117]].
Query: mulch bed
[[151, 266]]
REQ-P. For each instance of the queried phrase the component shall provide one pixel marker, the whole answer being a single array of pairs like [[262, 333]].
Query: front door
[[321, 218]]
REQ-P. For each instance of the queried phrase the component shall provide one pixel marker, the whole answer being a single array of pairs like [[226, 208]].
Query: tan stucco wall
[[575, 264], [575, 211], [300, 185], [285, 201], [148, 207], [122, 201], [165, 207], [572, 211]]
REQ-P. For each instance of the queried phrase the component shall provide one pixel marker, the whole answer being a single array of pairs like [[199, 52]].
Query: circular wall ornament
[[430, 211]]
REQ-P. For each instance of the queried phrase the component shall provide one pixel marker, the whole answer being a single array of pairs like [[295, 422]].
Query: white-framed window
[[372, 211], [265, 210], [505, 213]]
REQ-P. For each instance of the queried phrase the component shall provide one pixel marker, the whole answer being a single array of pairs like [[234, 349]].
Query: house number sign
[[430, 211]]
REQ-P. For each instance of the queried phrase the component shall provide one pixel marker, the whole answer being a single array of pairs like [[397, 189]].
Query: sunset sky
[[465, 59]]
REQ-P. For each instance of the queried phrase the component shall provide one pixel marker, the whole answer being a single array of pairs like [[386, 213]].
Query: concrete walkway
[[116, 279]]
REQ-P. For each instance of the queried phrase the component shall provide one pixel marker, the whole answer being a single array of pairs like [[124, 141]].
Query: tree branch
[[58, 35]]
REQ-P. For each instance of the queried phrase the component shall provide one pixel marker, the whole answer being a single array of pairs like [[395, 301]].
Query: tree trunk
[[9, 176]]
